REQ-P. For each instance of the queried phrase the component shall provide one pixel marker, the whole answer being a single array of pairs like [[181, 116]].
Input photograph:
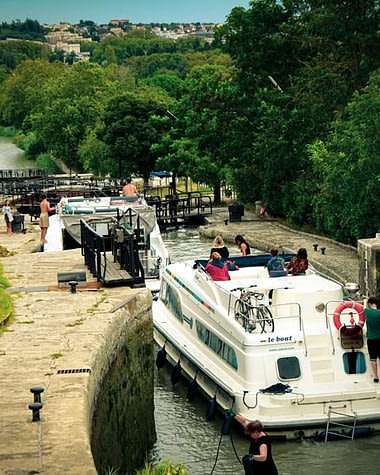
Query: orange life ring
[[349, 304]]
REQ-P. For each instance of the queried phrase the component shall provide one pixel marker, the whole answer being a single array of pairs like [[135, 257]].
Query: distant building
[[120, 21]]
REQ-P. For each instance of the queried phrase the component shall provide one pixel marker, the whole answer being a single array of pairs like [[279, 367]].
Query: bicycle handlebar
[[243, 288], [256, 295]]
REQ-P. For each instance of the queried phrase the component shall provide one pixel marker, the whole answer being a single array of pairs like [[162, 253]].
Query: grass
[[96, 305], [77, 322], [4, 252], [6, 302], [165, 467]]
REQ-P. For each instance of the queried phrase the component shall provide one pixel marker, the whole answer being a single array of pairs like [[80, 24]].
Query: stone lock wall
[[122, 421], [369, 266]]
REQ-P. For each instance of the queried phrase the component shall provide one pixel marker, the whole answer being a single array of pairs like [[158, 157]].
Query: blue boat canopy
[[161, 174]]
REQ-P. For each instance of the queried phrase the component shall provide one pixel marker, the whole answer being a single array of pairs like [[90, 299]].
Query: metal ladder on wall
[[330, 423]]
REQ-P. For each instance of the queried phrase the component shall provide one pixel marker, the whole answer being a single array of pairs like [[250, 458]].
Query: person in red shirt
[[216, 268], [298, 264]]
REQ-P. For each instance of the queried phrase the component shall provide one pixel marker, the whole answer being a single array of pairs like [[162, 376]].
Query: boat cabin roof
[[252, 260], [253, 273]]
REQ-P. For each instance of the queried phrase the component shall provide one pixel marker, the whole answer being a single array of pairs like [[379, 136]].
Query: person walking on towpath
[[44, 217], [8, 216]]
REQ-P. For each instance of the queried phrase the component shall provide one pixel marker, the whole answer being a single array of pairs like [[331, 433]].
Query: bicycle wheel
[[265, 318], [244, 315]]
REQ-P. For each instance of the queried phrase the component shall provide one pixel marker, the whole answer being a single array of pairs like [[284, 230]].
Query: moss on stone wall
[[123, 427]]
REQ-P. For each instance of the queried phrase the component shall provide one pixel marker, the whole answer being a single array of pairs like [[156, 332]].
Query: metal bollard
[[73, 286], [226, 222], [323, 249], [315, 246], [36, 391], [35, 408]]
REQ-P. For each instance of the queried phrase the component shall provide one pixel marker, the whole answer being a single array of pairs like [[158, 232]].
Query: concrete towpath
[[57, 339], [337, 260]]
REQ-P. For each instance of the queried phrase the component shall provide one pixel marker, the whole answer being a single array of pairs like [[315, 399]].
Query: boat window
[[217, 345], [288, 368], [170, 297], [163, 290], [354, 362]]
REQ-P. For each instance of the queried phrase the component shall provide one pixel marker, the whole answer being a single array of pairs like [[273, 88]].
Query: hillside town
[[72, 38]]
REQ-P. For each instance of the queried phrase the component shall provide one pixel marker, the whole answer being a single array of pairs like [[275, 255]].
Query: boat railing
[[253, 305], [174, 209], [329, 317], [113, 258]]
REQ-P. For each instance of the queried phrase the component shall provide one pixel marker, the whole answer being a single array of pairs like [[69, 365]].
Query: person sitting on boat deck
[[259, 460], [129, 188], [372, 319], [219, 246], [242, 245], [275, 263], [62, 203], [298, 264], [216, 268]]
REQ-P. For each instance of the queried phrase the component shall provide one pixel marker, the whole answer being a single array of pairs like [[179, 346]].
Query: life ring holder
[[345, 305]]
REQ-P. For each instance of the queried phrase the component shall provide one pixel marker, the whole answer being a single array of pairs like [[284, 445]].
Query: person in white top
[[8, 216]]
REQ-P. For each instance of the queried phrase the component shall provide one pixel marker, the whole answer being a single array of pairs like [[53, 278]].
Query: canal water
[[183, 433], [12, 157]]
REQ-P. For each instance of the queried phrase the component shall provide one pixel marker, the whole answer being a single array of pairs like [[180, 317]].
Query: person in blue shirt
[[276, 263]]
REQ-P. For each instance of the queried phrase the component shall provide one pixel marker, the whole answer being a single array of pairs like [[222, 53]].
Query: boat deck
[[112, 272]]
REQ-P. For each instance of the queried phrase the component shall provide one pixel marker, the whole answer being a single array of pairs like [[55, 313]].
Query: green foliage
[[25, 30], [31, 144], [299, 66], [13, 53], [142, 43], [280, 108], [46, 161], [9, 132], [22, 91], [94, 155], [348, 164], [168, 82], [132, 122], [6, 303], [165, 467]]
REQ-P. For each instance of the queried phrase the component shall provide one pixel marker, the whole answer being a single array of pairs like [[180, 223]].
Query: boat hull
[[295, 379]]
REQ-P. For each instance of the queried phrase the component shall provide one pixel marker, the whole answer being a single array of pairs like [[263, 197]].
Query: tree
[[202, 141], [298, 62], [21, 91], [71, 104], [131, 123], [348, 167], [62, 127]]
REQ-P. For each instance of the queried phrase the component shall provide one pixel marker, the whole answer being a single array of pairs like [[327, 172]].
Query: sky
[[102, 11]]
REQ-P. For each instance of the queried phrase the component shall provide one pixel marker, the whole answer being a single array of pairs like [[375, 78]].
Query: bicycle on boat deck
[[252, 314]]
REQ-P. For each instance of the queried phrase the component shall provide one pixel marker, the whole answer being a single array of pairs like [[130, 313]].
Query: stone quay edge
[[54, 333]]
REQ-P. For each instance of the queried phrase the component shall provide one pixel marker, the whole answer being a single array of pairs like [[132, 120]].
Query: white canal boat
[[287, 350], [103, 214]]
